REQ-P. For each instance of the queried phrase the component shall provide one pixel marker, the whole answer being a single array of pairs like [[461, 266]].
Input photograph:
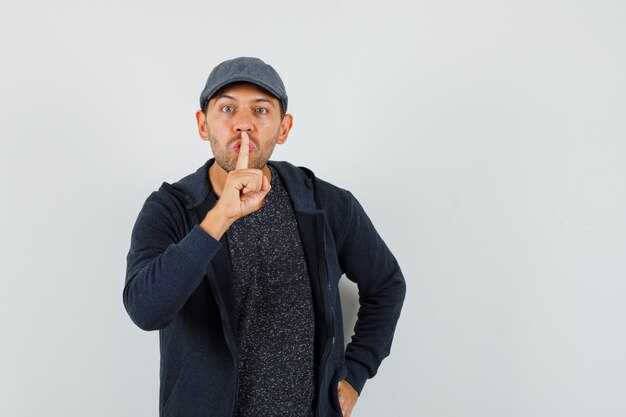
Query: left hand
[[347, 397]]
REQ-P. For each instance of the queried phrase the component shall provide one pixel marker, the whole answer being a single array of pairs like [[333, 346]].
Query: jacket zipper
[[328, 312], [230, 346], [222, 308]]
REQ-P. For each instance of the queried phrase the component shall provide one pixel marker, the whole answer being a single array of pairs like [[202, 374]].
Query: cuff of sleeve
[[357, 375], [200, 247]]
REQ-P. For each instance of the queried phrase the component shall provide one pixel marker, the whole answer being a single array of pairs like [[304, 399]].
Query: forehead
[[243, 90]]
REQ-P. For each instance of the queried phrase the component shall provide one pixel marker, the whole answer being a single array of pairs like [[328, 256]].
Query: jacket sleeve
[[163, 269], [367, 261]]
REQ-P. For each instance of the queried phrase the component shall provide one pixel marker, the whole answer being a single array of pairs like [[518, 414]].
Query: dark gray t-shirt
[[274, 308]]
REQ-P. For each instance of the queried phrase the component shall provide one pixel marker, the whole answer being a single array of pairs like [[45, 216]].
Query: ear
[[285, 127], [202, 126]]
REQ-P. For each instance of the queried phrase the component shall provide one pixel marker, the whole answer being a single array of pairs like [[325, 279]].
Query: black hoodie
[[179, 281]]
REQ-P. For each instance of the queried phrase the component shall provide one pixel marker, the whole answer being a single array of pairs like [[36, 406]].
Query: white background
[[485, 139]]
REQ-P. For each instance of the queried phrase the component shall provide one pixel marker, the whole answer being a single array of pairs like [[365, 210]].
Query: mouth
[[237, 148], [237, 145]]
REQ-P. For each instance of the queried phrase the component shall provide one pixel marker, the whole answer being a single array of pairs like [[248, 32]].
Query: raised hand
[[244, 192], [245, 188]]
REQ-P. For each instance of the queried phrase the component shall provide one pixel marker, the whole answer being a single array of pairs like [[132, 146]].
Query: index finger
[[244, 150]]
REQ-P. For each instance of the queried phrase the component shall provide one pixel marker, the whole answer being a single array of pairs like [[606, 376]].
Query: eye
[[228, 109], [261, 110]]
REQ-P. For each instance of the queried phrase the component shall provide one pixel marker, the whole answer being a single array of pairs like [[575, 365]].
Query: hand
[[244, 192], [347, 397], [244, 189]]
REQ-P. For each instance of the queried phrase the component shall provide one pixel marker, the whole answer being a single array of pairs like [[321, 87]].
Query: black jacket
[[178, 280]]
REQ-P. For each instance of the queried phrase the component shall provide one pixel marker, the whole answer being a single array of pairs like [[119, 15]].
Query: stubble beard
[[228, 161]]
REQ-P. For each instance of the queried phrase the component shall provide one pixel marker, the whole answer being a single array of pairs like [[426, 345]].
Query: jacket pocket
[[334, 394], [205, 387]]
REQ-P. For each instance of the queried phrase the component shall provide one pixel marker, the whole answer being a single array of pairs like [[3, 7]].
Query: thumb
[[265, 187]]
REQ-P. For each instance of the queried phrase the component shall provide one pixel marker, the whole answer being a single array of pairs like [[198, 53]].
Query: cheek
[[218, 131], [269, 122], [264, 125], [218, 121]]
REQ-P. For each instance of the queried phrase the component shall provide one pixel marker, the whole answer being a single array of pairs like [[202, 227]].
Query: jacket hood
[[194, 188]]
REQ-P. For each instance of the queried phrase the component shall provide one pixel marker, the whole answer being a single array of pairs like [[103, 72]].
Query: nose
[[243, 123]]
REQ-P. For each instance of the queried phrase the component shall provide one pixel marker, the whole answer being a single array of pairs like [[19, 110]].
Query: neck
[[217, 177]]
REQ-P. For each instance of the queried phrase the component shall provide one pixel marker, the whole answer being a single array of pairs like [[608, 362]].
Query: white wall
[[485, 139]]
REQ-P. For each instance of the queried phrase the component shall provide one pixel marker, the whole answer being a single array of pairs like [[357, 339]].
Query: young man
[[237, 265]]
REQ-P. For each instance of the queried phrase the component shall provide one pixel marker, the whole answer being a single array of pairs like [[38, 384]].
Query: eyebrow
[[256, 100]]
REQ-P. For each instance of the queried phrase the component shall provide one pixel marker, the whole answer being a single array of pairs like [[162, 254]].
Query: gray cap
[[248, 69]]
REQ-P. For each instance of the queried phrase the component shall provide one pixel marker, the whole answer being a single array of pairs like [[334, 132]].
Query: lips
[[237, 145]]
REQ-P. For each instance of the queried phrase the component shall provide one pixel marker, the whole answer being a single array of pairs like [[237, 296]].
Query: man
[[237, 265]]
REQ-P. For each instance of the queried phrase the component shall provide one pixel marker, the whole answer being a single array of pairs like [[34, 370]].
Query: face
[[243, 107]]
